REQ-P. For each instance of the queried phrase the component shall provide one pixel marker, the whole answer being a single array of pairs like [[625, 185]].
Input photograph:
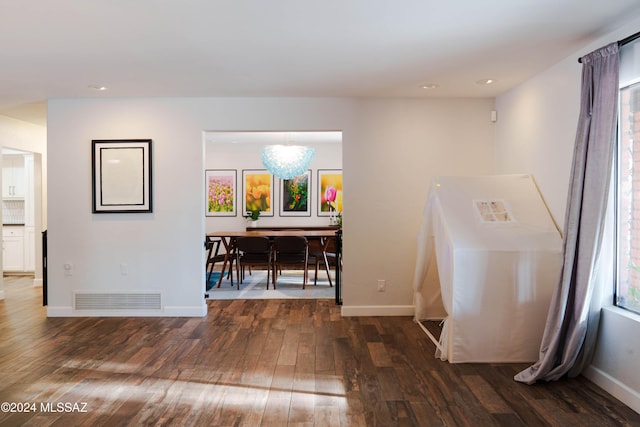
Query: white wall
[[535, 134], [22, 135], [26, 137], [389, 158], [391, 149], [536, 129]]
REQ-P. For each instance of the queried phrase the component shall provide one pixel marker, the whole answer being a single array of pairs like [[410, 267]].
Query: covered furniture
[[494, 253]]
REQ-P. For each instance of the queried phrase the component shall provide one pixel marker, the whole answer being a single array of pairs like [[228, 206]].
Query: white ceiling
[[329, 48], [267, 138]]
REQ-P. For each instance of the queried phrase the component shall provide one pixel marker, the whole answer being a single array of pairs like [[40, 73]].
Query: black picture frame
[[290, 189], [121, 175]]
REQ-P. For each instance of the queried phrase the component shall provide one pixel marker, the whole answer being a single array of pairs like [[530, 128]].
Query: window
[[627, 292]]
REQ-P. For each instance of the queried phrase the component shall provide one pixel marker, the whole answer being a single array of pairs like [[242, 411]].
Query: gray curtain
[[570, 332]]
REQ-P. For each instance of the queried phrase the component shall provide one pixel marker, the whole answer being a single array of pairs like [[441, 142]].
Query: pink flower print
[[330, 194]]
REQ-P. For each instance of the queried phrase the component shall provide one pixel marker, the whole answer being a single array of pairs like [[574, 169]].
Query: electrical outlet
[[381, 285], [68, 269], [124, 269]]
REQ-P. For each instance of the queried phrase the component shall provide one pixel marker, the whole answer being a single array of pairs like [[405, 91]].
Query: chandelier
[[287, 161]]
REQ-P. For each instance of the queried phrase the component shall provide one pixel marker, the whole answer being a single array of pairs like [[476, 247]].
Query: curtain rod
[[629, 39], [622, 42]]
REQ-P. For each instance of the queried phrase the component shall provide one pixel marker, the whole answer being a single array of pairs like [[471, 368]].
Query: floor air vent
[[117, 301]]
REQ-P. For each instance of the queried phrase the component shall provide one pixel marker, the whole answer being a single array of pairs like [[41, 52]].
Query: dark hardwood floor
[[263, 362]]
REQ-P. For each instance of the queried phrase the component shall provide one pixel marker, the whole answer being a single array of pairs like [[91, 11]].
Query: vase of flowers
[[338, 220], [252, 217]]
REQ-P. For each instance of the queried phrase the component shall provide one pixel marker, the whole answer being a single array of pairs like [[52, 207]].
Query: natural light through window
[[628, 182]]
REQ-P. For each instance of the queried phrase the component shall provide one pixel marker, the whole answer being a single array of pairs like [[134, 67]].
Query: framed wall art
[[121, 176], [257, 190], [295, 197], [220, 192], [329, 192]]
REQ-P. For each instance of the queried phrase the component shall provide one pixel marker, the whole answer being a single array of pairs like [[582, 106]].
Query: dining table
[[228, 237]]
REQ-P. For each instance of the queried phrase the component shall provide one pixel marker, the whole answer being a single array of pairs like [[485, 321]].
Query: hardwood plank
[[301, 411], [328, 416], [425, 415], [289, 351], [329, 390], [379, 354], [276, 411], [488, 397], [390, 388]]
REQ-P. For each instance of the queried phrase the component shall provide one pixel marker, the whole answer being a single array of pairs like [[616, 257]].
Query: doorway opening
[[22, 214], [233, 160]]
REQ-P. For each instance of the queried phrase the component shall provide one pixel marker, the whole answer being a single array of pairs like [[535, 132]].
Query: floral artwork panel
[[329, 192], [257, 191], [294, 195], [221, 193]]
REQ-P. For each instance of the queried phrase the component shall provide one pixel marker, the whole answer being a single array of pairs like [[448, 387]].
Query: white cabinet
[[13, 248], [13, 176]]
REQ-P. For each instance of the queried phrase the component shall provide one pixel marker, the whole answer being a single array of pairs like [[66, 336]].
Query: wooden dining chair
[[214, 256], [322, 251], [252, 251], [288, 252]]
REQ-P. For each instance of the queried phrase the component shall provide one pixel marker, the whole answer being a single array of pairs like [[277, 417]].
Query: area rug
[[254, 286], [213, 281]]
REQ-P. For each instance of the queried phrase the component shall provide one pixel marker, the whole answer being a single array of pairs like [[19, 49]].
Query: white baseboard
[[53, 311], [377, 310], [614, 387], [1, 293], [38, 283], [188, 311], [170, 311]]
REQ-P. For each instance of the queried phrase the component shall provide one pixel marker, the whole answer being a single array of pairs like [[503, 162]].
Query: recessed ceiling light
[[97, 87], [430, 86], [485, 81]]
